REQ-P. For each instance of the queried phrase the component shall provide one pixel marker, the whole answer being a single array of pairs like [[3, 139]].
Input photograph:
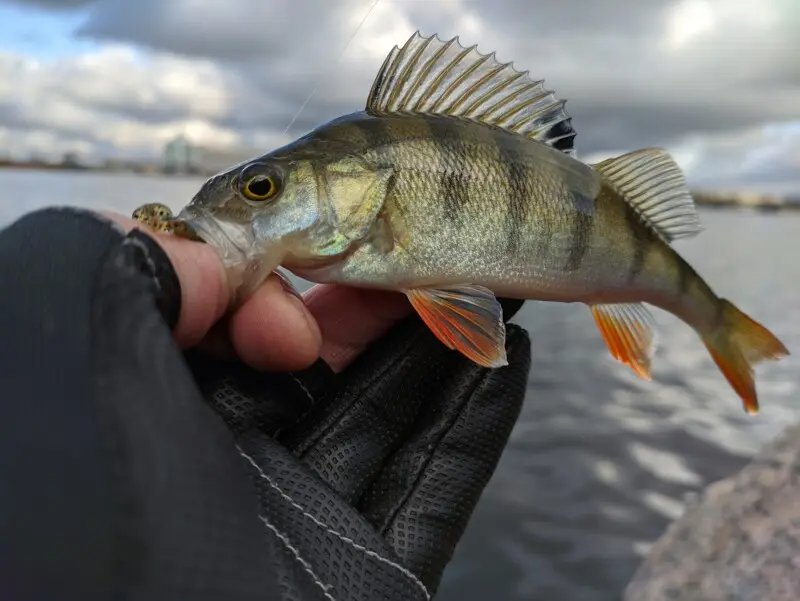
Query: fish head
[[300, 209], [253, 214]]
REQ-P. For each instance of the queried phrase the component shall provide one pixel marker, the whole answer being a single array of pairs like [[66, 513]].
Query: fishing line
[[314, 91]]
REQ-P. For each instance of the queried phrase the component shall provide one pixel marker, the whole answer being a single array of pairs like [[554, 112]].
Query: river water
[[600, 461]]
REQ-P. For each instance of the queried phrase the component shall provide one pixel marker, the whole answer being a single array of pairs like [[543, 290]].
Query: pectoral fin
[[467, 318], [628, 330]]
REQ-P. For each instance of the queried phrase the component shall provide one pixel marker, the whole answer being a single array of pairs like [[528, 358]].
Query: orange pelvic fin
[[628, 330], [465, 318]]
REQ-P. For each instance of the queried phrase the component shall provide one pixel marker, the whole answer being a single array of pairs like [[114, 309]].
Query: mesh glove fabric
[[138, 471]]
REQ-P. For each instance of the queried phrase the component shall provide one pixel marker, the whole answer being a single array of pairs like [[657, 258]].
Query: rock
[[740, 541]]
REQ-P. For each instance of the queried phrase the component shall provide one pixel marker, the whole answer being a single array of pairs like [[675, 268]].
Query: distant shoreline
[[745, 200], [704, 198], [138, 169]]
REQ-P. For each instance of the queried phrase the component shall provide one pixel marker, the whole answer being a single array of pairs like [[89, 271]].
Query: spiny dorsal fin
[[653, 184], [437, 77]]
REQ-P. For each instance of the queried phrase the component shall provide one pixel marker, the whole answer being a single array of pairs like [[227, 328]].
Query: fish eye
[[259, 188]]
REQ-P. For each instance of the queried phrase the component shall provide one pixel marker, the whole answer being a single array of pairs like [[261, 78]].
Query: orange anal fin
[[465, 318], [628, 330]]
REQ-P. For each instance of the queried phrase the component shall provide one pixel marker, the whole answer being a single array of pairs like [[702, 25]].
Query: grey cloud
[[626, 127], [766, 174], [271, 75], [235, 30], [277, 48], [246, 30], [725, 170], [17, 122], [274, 104], [152, 113], [523, 19], [16, 119]]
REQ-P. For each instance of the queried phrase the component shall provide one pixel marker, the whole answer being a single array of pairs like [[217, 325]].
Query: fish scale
[[458, 182]]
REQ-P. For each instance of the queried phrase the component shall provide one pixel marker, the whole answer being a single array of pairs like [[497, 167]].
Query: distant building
[[71, 160], [183, 157], [177, 156]]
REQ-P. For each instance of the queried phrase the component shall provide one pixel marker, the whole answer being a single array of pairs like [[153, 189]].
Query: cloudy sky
[[717, 82]]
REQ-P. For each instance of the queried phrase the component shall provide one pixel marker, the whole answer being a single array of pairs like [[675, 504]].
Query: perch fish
[[459, 182]]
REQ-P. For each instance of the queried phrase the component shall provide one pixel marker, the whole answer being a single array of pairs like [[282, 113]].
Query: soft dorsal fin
[[653, 184], [437, 77]]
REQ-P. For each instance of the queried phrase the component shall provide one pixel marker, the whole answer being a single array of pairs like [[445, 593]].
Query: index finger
[[352, 318]]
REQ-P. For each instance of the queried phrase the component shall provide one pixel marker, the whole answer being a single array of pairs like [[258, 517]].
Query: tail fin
[[739, 344]]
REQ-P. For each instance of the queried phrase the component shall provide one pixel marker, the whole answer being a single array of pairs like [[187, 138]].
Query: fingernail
[[288, 287]]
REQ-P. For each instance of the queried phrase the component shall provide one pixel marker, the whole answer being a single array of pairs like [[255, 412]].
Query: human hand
[[185, 475], [275, 329]]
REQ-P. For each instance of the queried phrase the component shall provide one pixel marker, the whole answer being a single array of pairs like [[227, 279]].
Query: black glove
[[132, 470]]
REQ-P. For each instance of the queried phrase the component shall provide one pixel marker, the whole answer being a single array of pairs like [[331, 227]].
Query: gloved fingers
[[359, 421], [427, 490], [250, 400], [324, 547], [347, 437], [511, 307]]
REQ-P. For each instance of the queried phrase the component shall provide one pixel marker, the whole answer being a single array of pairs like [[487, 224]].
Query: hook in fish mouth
[[160, 218], [185, 230]]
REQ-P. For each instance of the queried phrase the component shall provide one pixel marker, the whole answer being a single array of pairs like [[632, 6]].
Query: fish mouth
[[231, 241], [246, 261]]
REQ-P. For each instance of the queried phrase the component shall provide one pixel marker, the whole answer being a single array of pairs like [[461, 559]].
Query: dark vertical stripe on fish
[[719, 313], [453, 167], [454, 181], [374, 131], [639, 240], [583, 221], [684, 280], [517, 194], [354, 132], [390, 186]]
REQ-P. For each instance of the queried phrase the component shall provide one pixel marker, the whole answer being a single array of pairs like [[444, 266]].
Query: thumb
[[204, 286]]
